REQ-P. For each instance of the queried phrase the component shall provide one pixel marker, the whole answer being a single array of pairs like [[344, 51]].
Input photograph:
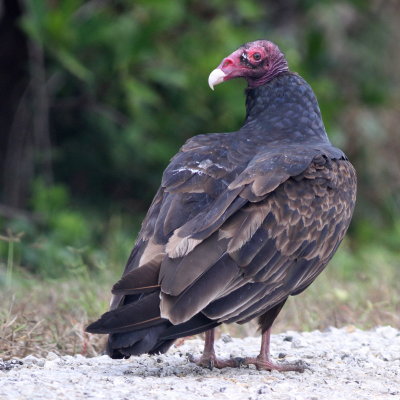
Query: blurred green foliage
[[126, 84], [65, 240]]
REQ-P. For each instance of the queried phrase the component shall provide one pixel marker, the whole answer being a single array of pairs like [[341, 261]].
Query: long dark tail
[[137, 327]]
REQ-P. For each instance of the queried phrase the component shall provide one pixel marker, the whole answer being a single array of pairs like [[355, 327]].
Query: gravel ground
[[344, 364]]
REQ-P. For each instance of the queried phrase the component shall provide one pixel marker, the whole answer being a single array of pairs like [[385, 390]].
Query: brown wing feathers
[[140, 280], [285, 238], [177, 274], [247, 258], [199, 294], [140, 314]]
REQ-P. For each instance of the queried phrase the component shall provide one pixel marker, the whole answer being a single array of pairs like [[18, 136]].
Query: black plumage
[[242, 220]]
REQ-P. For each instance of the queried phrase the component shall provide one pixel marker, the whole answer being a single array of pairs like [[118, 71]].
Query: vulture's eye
[[257, 56]]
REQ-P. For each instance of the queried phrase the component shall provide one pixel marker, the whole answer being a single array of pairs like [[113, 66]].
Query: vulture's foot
[[266, 364], [210, 360]]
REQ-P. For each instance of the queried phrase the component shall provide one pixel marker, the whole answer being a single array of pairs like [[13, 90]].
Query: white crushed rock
[[345, 364]]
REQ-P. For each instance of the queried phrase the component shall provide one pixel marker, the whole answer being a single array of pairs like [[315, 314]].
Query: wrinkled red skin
[[258, 62]]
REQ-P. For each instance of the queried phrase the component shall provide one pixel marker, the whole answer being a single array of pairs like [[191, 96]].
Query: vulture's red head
[[258, 62]]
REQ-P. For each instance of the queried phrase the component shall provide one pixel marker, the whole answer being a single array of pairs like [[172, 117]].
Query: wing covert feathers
[[238, 252]]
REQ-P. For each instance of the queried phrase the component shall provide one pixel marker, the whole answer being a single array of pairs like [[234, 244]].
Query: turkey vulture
[[241, 221]]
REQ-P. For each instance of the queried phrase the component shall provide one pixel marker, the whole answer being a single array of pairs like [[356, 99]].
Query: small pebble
[[297, 343], [51, 356], [226, 338]]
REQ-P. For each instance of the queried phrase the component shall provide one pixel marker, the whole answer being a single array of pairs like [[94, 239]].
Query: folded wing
[[231, 234]]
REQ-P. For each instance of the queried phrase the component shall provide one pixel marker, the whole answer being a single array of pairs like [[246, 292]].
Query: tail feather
[[155, 339], [162, 347], [137, 327], [198, 324], [136, 342], [140, 280], [137, 315]]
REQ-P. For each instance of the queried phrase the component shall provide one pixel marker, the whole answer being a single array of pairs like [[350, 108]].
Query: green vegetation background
[[112, 89]]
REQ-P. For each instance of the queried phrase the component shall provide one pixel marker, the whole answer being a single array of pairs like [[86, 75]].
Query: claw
[[190, 357], [210, 361], [260, 364]]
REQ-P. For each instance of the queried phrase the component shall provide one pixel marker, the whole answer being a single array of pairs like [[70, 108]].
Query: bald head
[[258, 62]]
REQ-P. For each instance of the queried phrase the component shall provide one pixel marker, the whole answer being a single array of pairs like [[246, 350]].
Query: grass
[[40, 317], [358, 288]]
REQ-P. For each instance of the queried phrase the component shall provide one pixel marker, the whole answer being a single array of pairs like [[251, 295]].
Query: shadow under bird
[[241, 221]]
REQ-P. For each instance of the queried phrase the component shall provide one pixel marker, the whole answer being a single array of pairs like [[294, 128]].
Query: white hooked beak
[[217, 76]]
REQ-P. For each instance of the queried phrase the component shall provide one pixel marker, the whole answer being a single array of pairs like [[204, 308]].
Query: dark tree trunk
[[25, 146], [14, 81]]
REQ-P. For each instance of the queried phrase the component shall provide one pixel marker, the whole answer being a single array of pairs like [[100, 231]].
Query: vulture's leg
[[209, 359], [262, 361]]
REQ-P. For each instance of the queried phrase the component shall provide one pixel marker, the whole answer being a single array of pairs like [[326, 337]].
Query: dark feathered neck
[[285, 110]]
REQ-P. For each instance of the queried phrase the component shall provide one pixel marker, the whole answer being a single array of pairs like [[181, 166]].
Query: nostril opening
[[227, 63]]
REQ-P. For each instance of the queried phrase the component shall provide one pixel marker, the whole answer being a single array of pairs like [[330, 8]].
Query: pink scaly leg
[[262, 361], [209, 359]]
